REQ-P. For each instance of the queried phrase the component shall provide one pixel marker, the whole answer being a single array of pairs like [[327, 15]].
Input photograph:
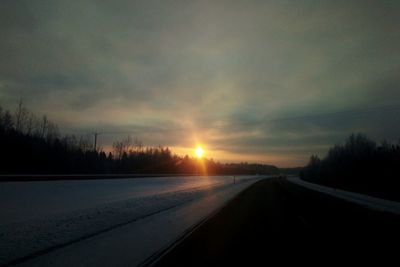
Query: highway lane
[[146, 219], [278, 222], [21, 201]]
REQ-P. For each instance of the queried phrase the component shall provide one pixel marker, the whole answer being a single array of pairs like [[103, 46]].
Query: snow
[[38, 216], [363, 200]]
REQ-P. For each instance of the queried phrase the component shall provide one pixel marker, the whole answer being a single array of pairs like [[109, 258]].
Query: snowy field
[[38, 217]]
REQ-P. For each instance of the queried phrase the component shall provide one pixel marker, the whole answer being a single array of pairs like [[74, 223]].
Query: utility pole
[[95, 134], [95, 140]]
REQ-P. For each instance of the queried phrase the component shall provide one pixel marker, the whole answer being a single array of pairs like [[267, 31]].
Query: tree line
[[34, 145], [360, 165]]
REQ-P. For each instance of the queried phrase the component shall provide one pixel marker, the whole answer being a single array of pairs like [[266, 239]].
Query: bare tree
[[31, 124], [122, 147], [70, 142], [137, 145], [7, 121], [52, 132], [21, 117], [85, 143], [1, 118], [43, 126]]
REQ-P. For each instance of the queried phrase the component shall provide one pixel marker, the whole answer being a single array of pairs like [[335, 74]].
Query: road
[[277, 222], [361, 199], [104, 222]]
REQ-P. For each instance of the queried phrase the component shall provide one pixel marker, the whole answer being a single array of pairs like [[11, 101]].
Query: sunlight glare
[[199, 152]]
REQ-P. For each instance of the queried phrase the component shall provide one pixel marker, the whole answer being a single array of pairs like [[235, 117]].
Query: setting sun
[[199, 152]]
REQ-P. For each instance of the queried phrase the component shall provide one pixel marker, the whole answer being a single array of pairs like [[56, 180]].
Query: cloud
[[206, 69]]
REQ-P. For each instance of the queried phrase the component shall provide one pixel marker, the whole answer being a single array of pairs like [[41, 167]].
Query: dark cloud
[[220, 72]]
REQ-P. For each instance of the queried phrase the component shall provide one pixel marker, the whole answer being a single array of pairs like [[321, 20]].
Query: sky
[[257, 81]]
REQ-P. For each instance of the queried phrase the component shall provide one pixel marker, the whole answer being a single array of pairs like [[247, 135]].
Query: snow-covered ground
[[39, 216], [364, 200]]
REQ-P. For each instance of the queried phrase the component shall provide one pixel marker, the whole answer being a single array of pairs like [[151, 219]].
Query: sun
[[199, 152]]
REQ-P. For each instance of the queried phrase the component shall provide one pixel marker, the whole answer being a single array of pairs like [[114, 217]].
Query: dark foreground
[[275, 222]]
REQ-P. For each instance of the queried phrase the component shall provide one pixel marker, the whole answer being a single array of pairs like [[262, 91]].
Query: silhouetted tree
[[359, 165], [35, 146], [21, 117], [7, 122]]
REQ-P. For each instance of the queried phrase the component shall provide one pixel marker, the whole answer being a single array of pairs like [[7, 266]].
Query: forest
[[360, 165], [34, 145]]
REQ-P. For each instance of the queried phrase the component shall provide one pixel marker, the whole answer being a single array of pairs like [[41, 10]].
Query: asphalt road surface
[[275, 222]]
